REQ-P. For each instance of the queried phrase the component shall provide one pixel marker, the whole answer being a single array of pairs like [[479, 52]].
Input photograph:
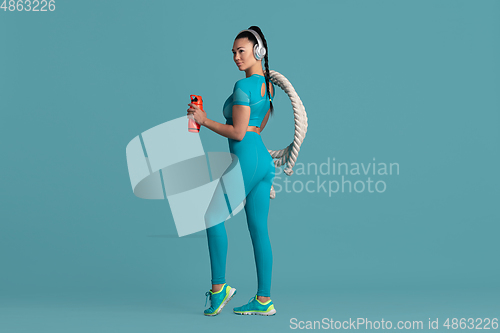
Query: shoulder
[[242, 92], [245, 85], [245, 82]]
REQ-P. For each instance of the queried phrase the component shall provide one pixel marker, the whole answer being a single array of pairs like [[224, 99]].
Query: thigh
[[228, 192], [257, 208], [250, 164]]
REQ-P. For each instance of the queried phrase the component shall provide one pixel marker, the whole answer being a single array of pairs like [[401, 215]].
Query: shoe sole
[[270, 313], [232, 292]]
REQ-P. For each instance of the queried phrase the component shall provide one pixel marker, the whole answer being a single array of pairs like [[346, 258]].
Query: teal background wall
[[408, 82]]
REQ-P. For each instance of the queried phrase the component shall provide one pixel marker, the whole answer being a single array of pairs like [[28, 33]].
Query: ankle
[[263, 299], [217, 287]]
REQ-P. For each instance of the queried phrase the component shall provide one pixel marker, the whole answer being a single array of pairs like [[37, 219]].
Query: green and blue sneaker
[[218, 299], [256, 307]]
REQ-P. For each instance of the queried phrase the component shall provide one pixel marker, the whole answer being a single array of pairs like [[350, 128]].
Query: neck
[[255, 69]]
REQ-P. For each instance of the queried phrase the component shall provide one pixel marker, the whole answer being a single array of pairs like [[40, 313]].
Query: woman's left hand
[[199, 115]]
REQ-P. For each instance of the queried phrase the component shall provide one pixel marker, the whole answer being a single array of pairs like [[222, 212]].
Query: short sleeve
[[241, 94]]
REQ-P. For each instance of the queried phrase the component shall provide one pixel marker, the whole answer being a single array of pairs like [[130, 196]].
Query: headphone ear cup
[[256, 51], [259, 52]]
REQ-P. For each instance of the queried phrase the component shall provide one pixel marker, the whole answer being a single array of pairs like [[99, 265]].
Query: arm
[[240, 114], [237, 131]]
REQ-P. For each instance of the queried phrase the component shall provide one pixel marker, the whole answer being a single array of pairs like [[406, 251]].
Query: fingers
[[192, 109]]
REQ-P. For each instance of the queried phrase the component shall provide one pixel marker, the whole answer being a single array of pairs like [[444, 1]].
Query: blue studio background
[[409, 82]]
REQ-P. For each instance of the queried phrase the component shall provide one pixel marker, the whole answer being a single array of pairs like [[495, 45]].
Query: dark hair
[[252, 38]]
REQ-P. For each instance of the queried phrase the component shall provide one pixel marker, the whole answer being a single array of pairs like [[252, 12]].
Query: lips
[[239, 63]]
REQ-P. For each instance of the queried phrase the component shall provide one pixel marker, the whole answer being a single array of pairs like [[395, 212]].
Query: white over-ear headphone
[[259, 51]]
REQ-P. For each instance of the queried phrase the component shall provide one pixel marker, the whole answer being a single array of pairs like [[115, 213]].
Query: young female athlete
[[246, 111]]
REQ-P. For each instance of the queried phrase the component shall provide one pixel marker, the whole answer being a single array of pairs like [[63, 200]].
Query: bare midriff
[[255, 129]]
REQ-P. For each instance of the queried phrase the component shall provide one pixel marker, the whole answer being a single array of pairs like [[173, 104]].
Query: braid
[[267, 80], [266, 64]]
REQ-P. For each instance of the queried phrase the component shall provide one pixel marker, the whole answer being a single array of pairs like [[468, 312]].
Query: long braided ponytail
[[252, 38]]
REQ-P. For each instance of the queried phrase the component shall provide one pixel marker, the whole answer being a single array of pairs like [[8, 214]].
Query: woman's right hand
[[197, 114]]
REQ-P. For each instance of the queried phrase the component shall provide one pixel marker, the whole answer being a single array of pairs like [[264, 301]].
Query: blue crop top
[[247, 91]]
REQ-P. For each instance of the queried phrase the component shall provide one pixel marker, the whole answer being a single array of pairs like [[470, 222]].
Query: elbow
[[239, 136]]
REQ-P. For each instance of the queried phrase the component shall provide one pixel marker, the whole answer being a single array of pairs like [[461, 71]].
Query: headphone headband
[[259, 50]]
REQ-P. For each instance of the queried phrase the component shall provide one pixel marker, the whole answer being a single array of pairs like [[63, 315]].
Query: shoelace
[[206, 299], [251, 299]]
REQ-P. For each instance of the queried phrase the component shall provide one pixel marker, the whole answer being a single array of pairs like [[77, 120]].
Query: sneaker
[[218, 299], [256, 307]]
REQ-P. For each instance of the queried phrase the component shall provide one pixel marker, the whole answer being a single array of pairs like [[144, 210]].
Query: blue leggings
[[258, 171]]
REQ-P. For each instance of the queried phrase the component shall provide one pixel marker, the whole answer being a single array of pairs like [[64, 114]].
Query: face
[[243, 53]]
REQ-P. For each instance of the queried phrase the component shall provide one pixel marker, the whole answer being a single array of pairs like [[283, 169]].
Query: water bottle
[[193, 126]]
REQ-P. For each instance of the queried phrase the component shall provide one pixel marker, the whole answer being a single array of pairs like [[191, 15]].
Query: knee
[[216, 230], [259, 232]]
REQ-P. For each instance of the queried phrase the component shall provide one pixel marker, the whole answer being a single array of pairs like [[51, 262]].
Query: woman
[[246, 111]]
